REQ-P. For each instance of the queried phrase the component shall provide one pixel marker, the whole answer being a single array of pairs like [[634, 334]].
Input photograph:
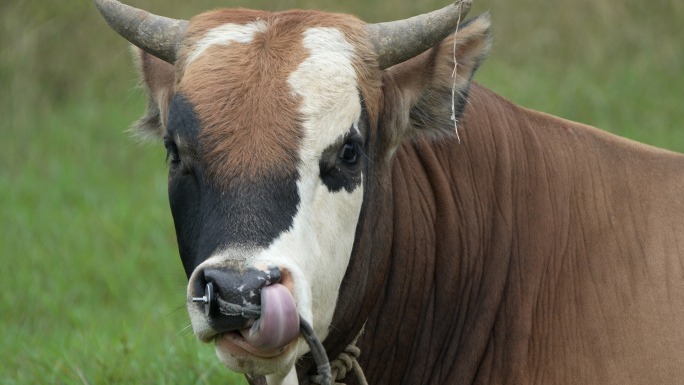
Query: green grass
[[91, 286]]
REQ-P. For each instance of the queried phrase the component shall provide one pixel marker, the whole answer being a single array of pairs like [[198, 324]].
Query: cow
[[430, 231]]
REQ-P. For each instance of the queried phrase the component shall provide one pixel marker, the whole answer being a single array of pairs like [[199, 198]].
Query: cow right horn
[[397, 41], [157, 35]]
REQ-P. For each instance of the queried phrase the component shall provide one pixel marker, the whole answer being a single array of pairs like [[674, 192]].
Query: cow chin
[[237, 355]]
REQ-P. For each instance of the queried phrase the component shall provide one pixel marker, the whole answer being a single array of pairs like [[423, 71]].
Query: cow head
[[280, 128]]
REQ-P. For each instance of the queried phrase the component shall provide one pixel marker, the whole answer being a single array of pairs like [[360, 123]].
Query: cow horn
[[400, 40], [159, 36]]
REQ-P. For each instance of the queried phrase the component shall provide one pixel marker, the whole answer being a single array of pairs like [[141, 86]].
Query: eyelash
[[171, 152]]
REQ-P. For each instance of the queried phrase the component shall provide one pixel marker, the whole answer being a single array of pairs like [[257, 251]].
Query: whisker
[[174, 310], [185, 330]]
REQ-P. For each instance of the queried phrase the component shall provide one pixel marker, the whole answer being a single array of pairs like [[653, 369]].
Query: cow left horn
[[400, 40], [159, 36]]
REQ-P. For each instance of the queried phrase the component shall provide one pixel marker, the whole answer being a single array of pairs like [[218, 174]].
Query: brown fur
[[250, 122], [538, 251]]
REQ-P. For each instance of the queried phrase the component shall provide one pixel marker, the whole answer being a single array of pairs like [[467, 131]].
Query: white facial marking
[[227, 34], [327, 82], [320, 241]]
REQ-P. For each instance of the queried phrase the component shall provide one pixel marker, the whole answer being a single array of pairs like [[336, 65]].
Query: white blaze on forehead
[[227, 34], [326, 81]]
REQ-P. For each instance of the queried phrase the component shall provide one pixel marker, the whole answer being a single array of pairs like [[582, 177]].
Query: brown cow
[[306, 178]]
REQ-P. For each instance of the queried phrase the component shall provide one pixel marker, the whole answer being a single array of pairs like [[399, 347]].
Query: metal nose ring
[[209, 299]]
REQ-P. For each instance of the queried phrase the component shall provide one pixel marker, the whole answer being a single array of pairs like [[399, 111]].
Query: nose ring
[[208, 299]]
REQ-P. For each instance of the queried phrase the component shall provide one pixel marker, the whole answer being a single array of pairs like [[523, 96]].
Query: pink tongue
[[279, 321]]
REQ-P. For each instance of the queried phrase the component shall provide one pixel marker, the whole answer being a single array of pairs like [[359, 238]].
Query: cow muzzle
[[250, 304]]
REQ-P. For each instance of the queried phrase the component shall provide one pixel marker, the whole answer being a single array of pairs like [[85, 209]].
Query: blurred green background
[[91, 286]]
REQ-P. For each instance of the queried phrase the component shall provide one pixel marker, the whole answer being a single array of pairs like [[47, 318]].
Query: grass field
[[91, 285]]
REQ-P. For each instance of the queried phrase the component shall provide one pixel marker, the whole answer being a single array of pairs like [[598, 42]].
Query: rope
[[343, 364], [317, 351], [453, 86]]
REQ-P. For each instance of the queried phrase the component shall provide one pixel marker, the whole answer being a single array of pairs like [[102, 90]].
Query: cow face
[[273, 124], [266, 137]]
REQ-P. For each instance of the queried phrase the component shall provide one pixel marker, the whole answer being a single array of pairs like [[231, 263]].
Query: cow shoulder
[[418, 93], [158, 79]]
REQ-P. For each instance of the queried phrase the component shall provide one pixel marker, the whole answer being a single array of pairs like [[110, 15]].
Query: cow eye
[[350, 153], [172, 157]]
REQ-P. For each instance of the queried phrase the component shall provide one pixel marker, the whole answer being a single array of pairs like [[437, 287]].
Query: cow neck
[[450, 253]]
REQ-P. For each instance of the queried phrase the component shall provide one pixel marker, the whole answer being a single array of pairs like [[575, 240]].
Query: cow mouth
[[234, 344], [271, 334]]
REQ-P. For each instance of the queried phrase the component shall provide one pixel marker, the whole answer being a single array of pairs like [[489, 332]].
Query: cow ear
[[418, 92], [158, 78]]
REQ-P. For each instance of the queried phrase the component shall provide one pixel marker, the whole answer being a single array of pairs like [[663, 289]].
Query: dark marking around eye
[[183, 120], [181, 136], [340, 163]]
